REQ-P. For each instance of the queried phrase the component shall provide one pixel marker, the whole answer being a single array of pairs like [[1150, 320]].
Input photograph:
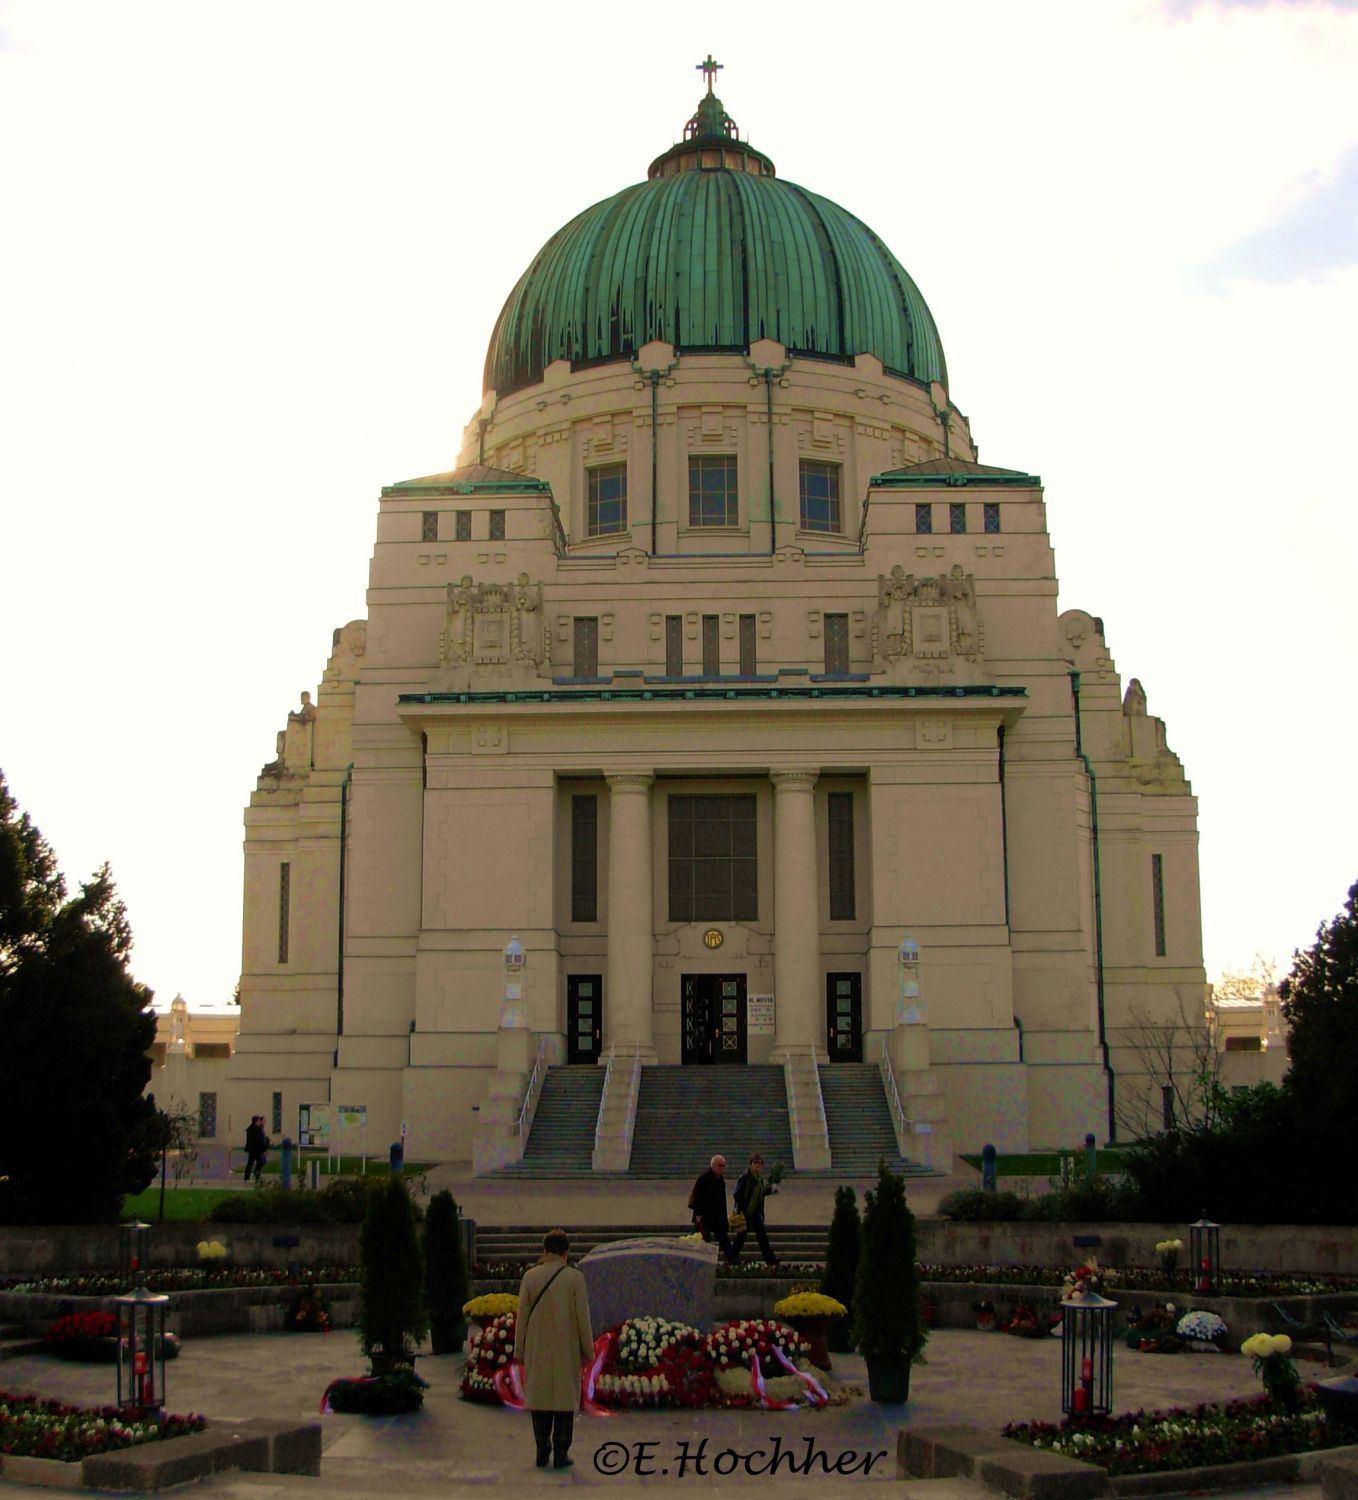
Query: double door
[[714, 1021]]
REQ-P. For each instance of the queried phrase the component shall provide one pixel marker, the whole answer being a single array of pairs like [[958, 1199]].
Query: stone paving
[[453, 1446]]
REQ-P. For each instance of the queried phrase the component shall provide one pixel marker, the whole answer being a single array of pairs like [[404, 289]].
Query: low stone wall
[[75, 1249], [241, 1309]]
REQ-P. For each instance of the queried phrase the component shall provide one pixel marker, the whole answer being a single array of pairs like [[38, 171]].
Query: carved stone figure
[[495, 629], [928, 627]]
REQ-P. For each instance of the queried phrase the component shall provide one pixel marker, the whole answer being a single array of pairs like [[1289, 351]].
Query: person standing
[[553, 1338], [751, 1193], [256, 1144], [708, 1202]]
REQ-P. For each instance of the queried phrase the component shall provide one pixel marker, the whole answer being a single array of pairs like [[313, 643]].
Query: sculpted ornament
[[928, 628], [495, 626]]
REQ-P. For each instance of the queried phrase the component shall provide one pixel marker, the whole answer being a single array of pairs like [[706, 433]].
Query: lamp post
[[1087, 1354], [134, 1241], [1204, 1249], [511, 1000], [910, 1002], [141, 1348]]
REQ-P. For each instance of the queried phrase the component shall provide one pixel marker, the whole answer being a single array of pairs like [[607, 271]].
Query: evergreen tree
[[888, 1322], [391, 1313], [841, 1265], [445, 1271], [1320, 1001], [76, 1130]]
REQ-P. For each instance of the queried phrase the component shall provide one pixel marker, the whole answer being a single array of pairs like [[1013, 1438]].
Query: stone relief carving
[[928, 627], [498, 628]]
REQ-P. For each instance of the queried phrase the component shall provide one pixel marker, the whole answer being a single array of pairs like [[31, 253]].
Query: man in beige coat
[[552, 1337]]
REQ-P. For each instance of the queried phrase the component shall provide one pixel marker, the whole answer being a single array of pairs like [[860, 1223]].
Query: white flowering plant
[[748, 1339], [644, 1342], [1202, 1327]]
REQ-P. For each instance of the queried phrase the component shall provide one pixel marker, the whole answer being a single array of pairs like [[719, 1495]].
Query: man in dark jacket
[[708, 1202], [751, 1191], [256, 1144]]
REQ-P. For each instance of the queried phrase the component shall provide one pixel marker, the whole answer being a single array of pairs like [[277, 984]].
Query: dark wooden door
[[584, 1017], [714, 1019], [844, 1017]]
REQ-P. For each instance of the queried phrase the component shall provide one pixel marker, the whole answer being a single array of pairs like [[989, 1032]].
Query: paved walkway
[[453, 1447]]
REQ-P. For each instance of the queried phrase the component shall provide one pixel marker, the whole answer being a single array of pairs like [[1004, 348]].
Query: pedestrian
[[256, 1144], [552, 1337], [751, 1193], [708, 1202]]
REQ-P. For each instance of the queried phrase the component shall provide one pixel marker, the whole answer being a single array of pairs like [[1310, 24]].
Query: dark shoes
[[563, 1462]]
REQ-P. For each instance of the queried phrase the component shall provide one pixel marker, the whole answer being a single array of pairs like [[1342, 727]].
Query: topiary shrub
[[391, 1312], [888, 1321], [445, 1274], [841, 1266]]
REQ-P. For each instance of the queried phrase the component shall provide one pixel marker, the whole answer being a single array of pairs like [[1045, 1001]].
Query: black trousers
[[553, 1431], [762, 1235]]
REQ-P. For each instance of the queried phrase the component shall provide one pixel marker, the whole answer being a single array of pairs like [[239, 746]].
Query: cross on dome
[[709, 68]]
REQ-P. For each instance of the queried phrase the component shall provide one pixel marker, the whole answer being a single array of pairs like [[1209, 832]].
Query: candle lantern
[[1204, 1248], [1087, 1355], [141, 1348], [134, 1243]]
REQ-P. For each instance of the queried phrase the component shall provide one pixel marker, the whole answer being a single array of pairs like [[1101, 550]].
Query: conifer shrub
[[841, 1265], [392, 1318]]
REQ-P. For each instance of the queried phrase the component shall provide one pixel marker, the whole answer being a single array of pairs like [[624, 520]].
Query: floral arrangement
[[1088, 1278], [38, 1428], [395, 1391], [809, 1305], [489, 1349], [1144, 1442], [1153, 1331], [1168, 1251], [211, 1250], [747, 1339], [1026, 1322], [91, 1337], [643, 1343], [491, 1305], [691, 1239], [1282, 1384], [1201, 1327], [627, 1391], [72, 1327], [308, 1312]]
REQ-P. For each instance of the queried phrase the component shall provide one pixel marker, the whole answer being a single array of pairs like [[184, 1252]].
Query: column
[[799, 1006], [631, 915]]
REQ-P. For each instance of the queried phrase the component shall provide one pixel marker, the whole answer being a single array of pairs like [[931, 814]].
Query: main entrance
[[714, 1018], [584, 1017]]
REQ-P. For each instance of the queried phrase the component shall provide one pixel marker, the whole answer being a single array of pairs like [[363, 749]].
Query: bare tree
[[1180, 1072]]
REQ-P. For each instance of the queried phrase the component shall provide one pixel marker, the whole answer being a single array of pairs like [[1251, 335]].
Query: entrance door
[[584, 1017], [844, 1017], [714, 1018]]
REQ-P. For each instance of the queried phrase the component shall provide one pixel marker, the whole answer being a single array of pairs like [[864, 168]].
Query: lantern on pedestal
[[141, 1348], [1204, 1247], [1087, 1355], [134, 1244]]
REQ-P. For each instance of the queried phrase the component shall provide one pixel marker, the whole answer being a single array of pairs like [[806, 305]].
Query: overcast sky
[[251, 254]]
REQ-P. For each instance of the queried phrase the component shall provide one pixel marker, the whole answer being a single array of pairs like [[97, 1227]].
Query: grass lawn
[[181, 1203], [1046, 1163]]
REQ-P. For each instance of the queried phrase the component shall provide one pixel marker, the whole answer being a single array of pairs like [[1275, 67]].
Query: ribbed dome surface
[[713, 259]]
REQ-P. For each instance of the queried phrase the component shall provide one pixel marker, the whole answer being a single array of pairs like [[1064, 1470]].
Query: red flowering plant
[[747, 1339], [489, 1350], [93, 1324], [33, 1427], [655, 1362], [1027, 1321]]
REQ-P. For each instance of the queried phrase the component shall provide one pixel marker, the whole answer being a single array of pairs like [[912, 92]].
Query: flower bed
[[32, 1427], [1144, 1442], [209, 1277]]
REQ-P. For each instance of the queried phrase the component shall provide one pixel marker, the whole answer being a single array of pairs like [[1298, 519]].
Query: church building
[[715, 709]]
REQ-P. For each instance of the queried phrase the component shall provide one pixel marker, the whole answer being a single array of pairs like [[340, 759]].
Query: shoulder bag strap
[[540, 1296]]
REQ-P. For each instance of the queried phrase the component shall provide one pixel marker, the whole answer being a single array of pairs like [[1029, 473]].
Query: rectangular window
[[841, 857], [819, 484], [1158, 901], [957, 517], [712, 491], [749, 656], [212, 1049], [1244, 1044], [284, 902], [1167, 1106], [711, 645], [674, 645], [429, 526], [607, 507], [586, 646], [836, 644], [924, 517], [497, 526], [207, 1115], [992, 517], [462, 525], [276, 1117], [584, 859], [713, 863]]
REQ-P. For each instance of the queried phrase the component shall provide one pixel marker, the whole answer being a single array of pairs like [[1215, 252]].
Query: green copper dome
[[713, 252]]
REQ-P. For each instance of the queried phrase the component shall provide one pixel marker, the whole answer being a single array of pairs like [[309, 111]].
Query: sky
[[251, 255]]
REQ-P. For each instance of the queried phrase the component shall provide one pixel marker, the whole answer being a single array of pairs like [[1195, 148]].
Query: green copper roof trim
[[713, 260], [473, 487], [1012, 480], [668, 695]]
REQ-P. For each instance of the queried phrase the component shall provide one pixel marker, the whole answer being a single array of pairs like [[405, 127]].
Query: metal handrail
[[530, 1098], [893, 1096]]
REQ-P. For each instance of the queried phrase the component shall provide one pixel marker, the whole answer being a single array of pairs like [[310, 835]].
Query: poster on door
[[759, 1015]]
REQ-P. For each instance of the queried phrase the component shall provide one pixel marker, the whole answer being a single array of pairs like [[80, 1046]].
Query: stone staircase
[[859, 1118], [685, 1116], [561, 1140], [512, 1244]]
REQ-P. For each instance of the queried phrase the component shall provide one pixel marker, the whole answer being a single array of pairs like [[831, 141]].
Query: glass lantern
[[141, 1348], [1087, 1355], [1204, 1248], [134, 1244]]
